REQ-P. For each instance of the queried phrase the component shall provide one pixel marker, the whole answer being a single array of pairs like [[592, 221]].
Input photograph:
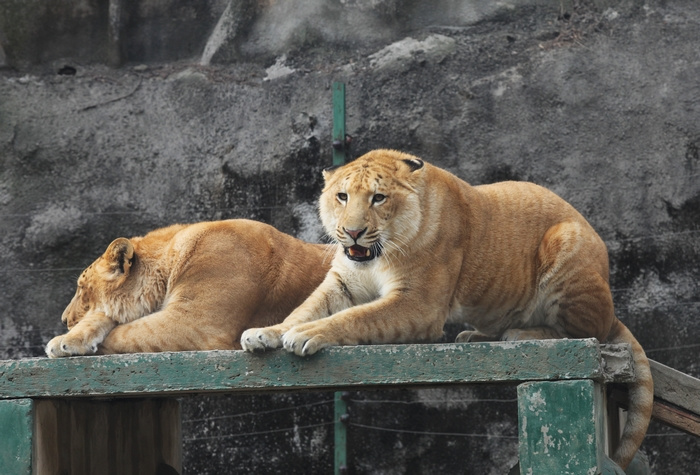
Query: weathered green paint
[[332, 368], [341, 434], [17, 424], [339, 122], [561, 427]]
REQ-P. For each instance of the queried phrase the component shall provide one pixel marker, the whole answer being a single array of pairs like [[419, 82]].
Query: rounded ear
[[119, 257], [329, 176], [328, 172], [414, 163]]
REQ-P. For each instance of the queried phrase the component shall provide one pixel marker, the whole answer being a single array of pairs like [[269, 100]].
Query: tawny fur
[[512, 259], [188, 287]]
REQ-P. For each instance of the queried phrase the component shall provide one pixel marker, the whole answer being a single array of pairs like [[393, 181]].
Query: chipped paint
[[537, 403], [549, 436], [557, 432], [335, 367], [547, 441]]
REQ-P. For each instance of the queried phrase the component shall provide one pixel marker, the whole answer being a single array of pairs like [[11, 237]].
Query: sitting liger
[[417, 246], [188, 287]]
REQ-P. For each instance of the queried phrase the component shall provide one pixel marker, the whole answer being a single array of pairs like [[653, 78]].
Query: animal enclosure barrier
[[131, 398]]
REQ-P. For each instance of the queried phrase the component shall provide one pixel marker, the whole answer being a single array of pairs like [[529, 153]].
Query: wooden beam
[[676, 398], [676, 417], [332, 368], [675, 387]]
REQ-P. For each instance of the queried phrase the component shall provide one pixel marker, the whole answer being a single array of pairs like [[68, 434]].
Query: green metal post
[[341, 407], [339, 155]]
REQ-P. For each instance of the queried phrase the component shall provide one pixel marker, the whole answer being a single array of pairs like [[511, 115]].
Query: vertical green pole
[[341, 407], [341, 433], [17, 425], [338, 123]]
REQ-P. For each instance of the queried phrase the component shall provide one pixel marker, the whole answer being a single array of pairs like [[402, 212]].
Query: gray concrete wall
[[183, 111]]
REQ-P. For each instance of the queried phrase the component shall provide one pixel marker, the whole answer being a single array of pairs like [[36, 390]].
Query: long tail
[[641, 398]]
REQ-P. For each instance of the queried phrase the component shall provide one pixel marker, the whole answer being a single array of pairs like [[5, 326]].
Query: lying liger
[[417, 246], [188, 287]]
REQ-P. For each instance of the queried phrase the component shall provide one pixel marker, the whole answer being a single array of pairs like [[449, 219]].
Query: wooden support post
[[17, 423], [111, 437], [561, 426]]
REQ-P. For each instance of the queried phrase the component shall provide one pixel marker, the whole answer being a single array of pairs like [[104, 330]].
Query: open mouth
[[361, 254]]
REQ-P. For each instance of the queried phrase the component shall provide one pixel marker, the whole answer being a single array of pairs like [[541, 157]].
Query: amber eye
[[342, 197], [378, 198]]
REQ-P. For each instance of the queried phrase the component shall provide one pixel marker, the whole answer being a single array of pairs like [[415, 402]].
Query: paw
[[53, 348], [67, 345], [261, 339], [514, 334], [303, 343]]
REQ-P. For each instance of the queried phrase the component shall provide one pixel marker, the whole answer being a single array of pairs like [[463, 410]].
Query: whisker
[[329, 252], [392, 245], [401, 240], [389, 260]]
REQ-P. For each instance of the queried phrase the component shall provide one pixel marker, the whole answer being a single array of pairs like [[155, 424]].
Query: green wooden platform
[[71, 415]]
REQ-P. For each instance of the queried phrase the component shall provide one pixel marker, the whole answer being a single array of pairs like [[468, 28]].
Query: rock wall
[[119, 117]]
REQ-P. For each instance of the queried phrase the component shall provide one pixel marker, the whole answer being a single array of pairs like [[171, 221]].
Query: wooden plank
[[676, 417], [676, 398], [337, 367], [561, 427], [675, 387], [16, 421], [671, 415]]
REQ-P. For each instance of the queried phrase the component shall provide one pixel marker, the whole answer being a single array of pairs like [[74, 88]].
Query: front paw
[[261, 339], [67, 345], [53, 348], [303, 342]]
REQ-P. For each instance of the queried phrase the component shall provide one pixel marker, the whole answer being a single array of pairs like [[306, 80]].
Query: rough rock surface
[[224, 110]]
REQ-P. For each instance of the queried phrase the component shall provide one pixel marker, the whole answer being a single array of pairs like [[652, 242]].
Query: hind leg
[[573, 278], [586, 310], [581, 311]]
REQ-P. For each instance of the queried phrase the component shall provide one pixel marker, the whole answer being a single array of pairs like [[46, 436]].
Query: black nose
[[355, 233]]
